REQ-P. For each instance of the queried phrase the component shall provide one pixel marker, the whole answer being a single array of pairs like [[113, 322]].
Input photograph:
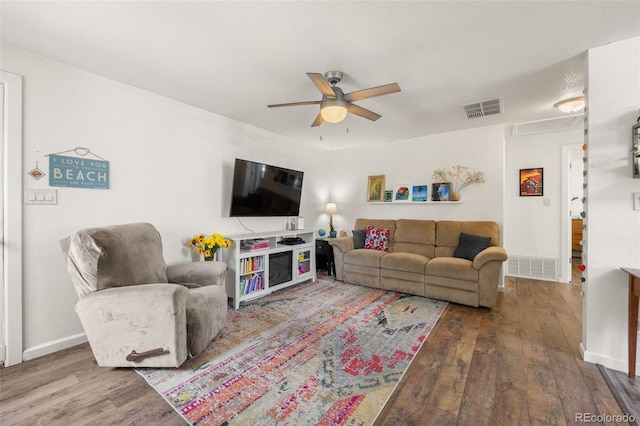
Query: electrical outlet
[[636, 200]]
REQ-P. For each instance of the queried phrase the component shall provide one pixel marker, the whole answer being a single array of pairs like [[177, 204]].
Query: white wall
[[613, 227], [531, 228], [413, 161], [170, 164]]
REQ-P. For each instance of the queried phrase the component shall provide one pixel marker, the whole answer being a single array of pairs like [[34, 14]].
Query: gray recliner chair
[[137, 311]]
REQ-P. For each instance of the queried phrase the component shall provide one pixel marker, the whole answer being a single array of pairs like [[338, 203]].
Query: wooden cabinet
[[260, 263], [576, 234]]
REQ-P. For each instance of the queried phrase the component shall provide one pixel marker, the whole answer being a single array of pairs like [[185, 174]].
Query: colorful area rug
[[323, 353]]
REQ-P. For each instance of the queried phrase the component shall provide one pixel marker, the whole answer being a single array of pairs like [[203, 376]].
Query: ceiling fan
[[335, 104]]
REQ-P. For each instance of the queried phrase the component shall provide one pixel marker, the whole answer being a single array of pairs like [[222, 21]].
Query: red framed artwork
[[531, 182]]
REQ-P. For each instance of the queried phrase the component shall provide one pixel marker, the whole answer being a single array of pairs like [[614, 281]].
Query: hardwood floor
[[516, 364]]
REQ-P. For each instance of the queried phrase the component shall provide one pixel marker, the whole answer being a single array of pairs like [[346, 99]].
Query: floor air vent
[[540, 268], [482, 108]]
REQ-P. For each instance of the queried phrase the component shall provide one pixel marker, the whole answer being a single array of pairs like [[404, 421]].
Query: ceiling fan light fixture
[[333, 110], [570, 105]]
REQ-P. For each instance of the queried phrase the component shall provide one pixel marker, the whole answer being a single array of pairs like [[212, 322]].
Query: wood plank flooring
[[515, 364]]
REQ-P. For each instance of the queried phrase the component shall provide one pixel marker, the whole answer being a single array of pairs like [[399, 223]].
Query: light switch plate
[[40, 196], [636, 200]]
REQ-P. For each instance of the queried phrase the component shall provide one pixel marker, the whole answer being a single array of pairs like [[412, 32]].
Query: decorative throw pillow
[[377, 238], [470, 245], [358, 238]]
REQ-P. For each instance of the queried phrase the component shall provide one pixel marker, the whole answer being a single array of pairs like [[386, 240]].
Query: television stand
[[263, 262]]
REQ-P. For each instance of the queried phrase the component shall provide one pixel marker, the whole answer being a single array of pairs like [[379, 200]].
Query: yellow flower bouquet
[[209, 245]]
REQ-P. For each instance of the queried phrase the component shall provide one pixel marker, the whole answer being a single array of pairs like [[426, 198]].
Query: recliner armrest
[[200, 273], [489, 254]]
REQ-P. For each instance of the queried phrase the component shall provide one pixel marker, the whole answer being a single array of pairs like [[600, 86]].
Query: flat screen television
[[263, 190]]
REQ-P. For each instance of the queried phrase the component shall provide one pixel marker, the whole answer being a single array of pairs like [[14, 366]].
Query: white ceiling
[[235, 57]]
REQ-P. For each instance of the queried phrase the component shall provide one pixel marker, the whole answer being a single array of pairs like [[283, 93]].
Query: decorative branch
[[459, 176]]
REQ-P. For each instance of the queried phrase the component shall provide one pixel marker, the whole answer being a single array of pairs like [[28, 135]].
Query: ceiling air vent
[[482, 108]]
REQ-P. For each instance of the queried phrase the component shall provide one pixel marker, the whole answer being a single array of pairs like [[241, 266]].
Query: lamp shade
[[331, 208], [571, 105]]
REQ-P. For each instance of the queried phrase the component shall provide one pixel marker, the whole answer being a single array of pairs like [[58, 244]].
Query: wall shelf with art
[[445, 188], [415, 203]]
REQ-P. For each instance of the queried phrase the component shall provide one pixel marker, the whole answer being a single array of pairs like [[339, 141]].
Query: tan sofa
[[421, 260]]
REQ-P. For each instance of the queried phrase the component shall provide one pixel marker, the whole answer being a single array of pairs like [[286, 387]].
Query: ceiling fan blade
[[371, 92], [295, 104], [323, 86], [362, 112], [318, 121]]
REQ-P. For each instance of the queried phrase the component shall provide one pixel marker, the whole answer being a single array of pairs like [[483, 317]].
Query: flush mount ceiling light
[[571, 105]]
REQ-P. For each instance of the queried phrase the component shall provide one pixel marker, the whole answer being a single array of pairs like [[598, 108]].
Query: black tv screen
[[264, 190]]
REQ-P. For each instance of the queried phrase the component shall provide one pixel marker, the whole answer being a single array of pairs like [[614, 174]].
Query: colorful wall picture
[[375, 188], [531, 182], [419, 193], [402, 193], [441, 191], [388, 196]]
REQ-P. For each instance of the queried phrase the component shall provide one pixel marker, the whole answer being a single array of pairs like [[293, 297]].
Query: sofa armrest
[[344, 244], [489, 254], [198, 273], [340, 246], [136, 318]]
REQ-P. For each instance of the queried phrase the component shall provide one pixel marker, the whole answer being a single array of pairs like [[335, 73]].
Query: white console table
[[256, 273]]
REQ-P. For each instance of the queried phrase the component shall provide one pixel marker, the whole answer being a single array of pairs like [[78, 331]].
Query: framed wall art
[[388, 196], [531, 182], [441, 191], [375, 188], [419, 193], [402, 193]]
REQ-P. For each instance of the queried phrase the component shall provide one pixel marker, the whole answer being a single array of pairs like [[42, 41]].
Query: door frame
[[12, 218], [565, 227]]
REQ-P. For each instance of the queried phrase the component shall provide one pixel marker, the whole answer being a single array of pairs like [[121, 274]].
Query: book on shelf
[[257, 244], [251, 264], [251, 284]]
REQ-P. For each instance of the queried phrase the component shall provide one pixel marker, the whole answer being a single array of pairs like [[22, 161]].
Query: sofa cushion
[[470, 245], [363, 257], [407, 262], [377, 238], [448, 234], [415, 236], [359, 237], [451, 267]]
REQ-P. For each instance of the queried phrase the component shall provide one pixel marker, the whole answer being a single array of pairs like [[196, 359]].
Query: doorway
[[572, 208]]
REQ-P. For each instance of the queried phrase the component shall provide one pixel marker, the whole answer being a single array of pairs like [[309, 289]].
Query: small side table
[[634, 296], [324, 255]]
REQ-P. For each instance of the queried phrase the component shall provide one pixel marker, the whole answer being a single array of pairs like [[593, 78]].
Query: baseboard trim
[[607, 361], [53, 346]]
